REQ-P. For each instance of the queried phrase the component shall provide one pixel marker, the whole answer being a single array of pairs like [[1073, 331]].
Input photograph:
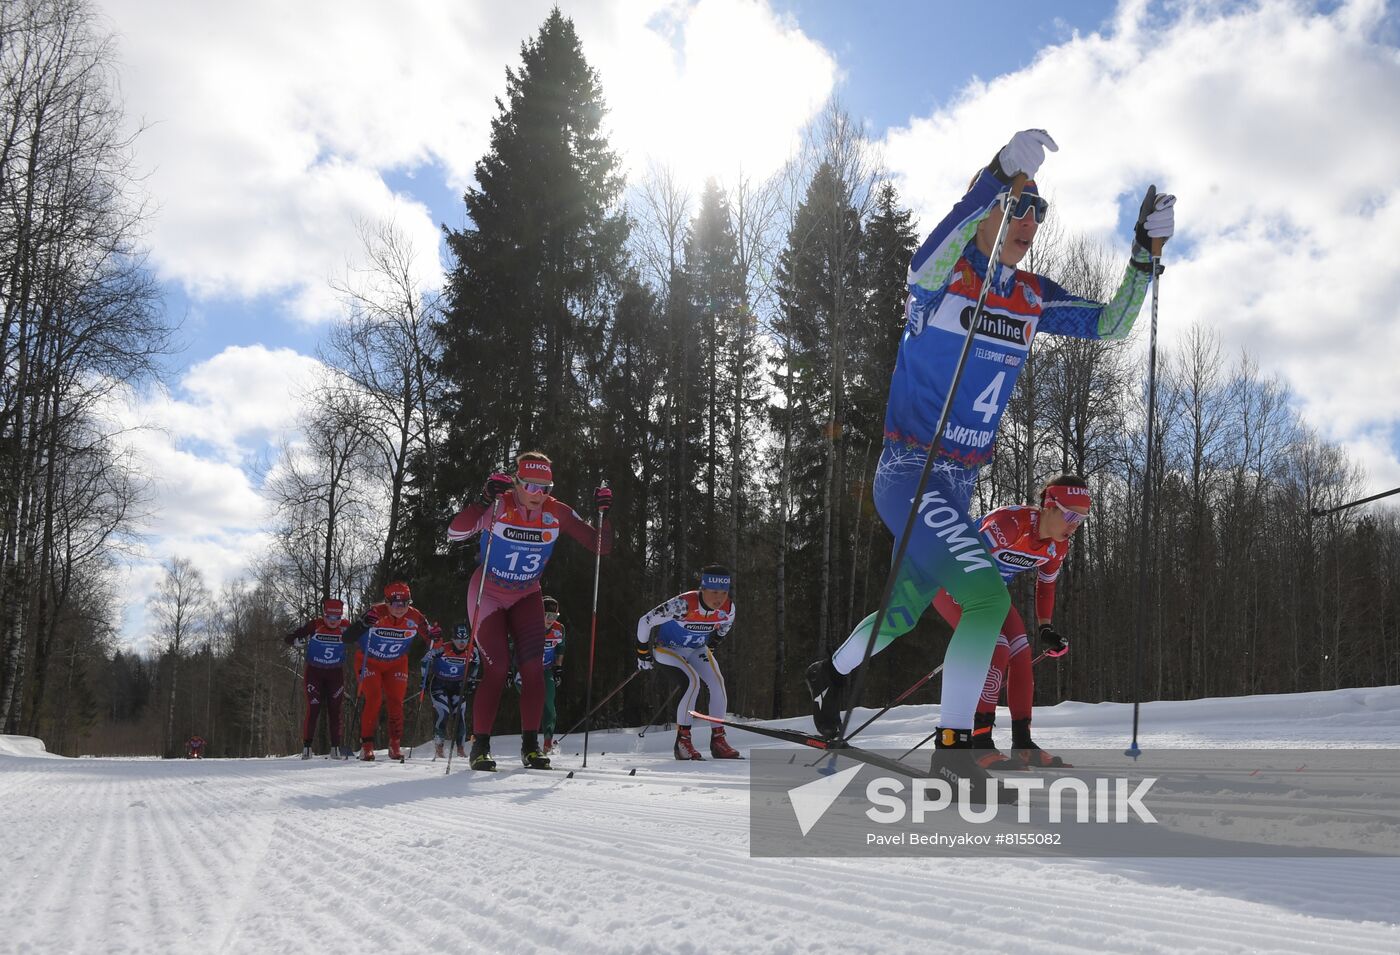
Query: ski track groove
[[263, 855], [719, 870]]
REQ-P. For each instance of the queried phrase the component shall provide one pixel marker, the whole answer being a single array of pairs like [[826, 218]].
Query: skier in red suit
[[1021, 538], [384, 634], [522, 522], [323, 677]]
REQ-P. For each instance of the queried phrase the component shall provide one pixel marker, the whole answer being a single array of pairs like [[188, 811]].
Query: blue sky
[[1276, 122], [905, 59], [877, 83]]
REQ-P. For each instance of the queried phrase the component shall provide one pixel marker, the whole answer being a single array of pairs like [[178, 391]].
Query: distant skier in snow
[[945, 278], [194, 747], [1022, 538], [385, 634], [683, 633], [445, 669], [524, 523], [323, 676], [553, 663]]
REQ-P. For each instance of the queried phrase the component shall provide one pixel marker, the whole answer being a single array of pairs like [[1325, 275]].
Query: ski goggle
[[1072, 518], [529, 487], [1028, 202], [551, 615], [398, 600]]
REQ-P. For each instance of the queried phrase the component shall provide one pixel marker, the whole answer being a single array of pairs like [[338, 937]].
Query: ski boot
[[989, 757], [719, 746], [954, 762], [440, 748], [461, 751], [306, 751], [394, 752], [549, 746], [367, 750], [684, 748], [530, 755], [480, 757], [1030, 755], [337, 752], [828, 689]]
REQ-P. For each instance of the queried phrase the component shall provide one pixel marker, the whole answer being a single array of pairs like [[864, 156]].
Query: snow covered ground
[[278, 855]]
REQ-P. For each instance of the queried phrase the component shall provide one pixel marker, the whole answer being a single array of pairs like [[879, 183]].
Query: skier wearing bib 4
[[1022, 538], [445, 674], [944, 550], [553, 663], [323, 676], [524, 524], [682, 633], [385, 634]]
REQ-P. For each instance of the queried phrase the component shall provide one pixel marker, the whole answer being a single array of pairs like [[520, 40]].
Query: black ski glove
[[496, 485], [1053, 644]]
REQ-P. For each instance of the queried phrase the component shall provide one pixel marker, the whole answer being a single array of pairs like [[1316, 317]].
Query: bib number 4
[[989, 401]]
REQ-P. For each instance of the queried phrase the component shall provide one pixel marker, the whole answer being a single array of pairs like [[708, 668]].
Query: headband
[[1068, 496], [531, 471]]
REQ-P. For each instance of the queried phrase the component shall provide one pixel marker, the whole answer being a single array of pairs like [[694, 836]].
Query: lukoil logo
[[893, 800]]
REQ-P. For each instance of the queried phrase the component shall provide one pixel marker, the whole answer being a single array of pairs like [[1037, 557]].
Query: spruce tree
[[533, 289], [536, 273], [716, 291], [812, 282]]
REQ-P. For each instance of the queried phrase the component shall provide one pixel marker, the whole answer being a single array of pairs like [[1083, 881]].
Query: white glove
[[1025, 152], [1156, 218], [1160, 221]]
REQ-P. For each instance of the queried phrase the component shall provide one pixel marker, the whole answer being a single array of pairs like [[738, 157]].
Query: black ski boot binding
[[828, 689], [481, 755], [531, 756]]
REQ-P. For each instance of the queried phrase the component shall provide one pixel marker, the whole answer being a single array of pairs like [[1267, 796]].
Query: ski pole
[[601, 703], [418, 719], [359, 705], [920, 743], [993, 263], [658, 712], [476, 610], [899, 699], [1319, 512], [1134, 750], [298, 689], [593, 631]]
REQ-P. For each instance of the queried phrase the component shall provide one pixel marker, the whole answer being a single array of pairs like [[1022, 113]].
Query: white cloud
[[272, 126], [706, 87], [1277, 126], [198, 446]]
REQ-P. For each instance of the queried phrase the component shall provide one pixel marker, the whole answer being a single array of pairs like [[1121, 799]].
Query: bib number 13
[[529, 565], [989, 401]]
